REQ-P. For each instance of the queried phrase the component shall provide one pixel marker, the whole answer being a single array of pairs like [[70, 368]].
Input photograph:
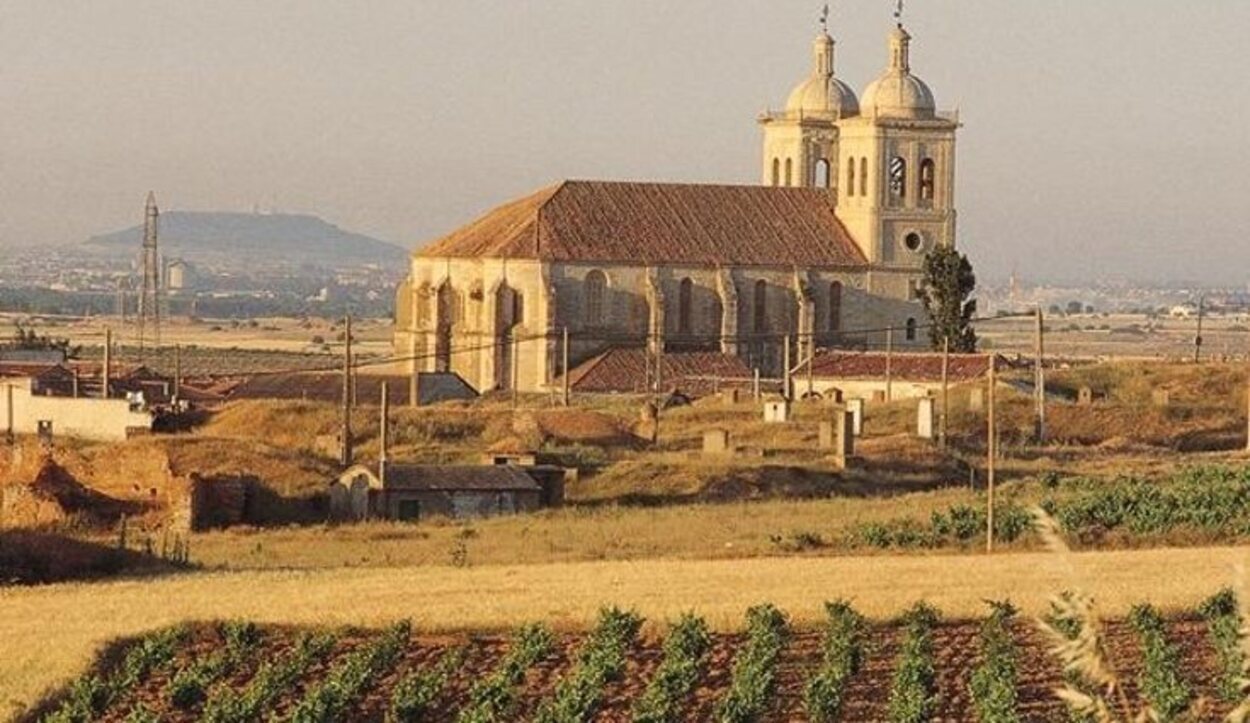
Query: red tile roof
[[693, 373], [658, 223], [835, 364]]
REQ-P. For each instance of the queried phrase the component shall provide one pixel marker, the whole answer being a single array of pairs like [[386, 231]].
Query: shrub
[[993, 683], [684, 652], [492, 698], [270, 680], [754, 672], [600, 660], [1224, 631], [414, 693], [1160, 679], [330, 698], [92, 695], [913, 693], [842, 658], [189, 685]]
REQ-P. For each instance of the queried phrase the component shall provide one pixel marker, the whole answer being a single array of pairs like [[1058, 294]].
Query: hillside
[[274, 238]]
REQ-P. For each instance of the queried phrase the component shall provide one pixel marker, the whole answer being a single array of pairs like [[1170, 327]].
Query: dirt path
[[50, 633]]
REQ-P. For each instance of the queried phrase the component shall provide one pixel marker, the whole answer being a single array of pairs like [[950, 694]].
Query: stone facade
[[699, 267]]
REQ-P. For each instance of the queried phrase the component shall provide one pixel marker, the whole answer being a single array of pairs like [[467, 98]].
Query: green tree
[[948, 282]]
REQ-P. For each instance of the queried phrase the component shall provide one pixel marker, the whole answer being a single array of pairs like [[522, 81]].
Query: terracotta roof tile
[[625, 371], [832, 364], [658, 223], [457, 477]]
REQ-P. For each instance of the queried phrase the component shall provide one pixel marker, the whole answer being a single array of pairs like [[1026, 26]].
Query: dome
[[898, 93], [823, 95]]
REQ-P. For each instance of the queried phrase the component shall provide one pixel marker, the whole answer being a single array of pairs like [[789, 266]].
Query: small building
[[24, 409], [413, 492], [865, 375]]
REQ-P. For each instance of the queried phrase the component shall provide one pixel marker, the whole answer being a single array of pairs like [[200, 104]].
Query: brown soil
[[956, 648]]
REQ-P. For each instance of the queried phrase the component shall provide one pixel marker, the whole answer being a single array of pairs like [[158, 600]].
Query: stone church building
[[826, 252]]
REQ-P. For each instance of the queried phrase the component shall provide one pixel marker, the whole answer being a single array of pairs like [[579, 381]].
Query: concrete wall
[[83, 418], [866, 388], [462, 504]]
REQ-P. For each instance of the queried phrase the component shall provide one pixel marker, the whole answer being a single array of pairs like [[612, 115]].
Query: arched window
[[760, 307], [822, 173], [898, 177], [593, 289], [833, 320], [789, 172], [927, 174], [911, 329], [685, 304], [863, 176], [850, 177], [776, 171]]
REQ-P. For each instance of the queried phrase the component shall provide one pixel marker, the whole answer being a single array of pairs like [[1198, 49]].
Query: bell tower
[[898, 165], [801, 142]]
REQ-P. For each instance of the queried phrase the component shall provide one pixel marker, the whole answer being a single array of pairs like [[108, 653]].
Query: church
[[825, 253]]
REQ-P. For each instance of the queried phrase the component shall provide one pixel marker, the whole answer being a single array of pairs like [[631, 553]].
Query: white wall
[[84, 418]]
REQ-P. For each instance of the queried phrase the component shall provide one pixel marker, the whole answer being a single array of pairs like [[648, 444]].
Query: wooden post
[[1248, 415], [384, 432], [659, 364], [1198, 336], [1039, 381], [516, 367], [564, 362], [811, 359], [991, 453], [177, 370], [889, 364], [413, 392], [946, 391], [345, 456], [755, 385], [106, 373], [785, 362], [76, 394]]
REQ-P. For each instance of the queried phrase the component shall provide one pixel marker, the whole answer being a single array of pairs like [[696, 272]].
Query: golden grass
[[707, 531], [50, 633]]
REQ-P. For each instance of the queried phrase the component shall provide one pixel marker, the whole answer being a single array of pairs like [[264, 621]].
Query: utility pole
[[785, 362], [345, 457], [889, 364], [811, 362], [1198, 336], [564, 364], [946, 396], [384, 432], [107, 372], [1039, 381], [516, 366], [177, 370], [991, 454]]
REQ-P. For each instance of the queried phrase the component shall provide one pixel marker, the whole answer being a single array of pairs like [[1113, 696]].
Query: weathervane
[[824, 19], [898, 13]]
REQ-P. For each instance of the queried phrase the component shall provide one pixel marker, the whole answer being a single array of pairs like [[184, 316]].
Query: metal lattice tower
[[149, 316]]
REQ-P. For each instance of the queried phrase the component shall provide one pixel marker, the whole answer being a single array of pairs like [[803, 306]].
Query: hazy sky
[[1103, 138]]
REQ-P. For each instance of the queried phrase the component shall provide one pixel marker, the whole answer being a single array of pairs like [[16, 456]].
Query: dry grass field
[[51, 633]]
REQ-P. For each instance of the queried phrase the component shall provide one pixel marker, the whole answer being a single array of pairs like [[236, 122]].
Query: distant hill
[[251, 237]]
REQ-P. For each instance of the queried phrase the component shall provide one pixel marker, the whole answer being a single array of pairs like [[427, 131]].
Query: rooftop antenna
[[898, 13], [824, 19]]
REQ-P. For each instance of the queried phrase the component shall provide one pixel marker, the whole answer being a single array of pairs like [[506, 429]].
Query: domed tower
[[898, 166], [801, 142]]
